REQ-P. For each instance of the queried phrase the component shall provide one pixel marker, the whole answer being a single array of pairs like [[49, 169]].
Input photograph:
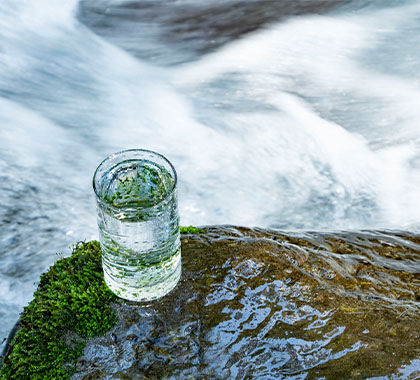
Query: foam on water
[[311, 123], [307, 76]]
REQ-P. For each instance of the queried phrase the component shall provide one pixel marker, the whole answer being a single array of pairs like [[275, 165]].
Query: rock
[[255, 304]]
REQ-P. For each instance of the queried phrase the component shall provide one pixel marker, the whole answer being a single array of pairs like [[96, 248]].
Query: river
[[294, 115]]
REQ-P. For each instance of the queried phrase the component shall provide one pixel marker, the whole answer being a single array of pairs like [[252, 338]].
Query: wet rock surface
[[258, 304]]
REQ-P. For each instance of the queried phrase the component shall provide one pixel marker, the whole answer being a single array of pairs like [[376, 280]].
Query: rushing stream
[[288, 114]]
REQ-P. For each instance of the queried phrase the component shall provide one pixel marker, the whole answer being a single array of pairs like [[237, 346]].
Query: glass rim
[[113, 155]]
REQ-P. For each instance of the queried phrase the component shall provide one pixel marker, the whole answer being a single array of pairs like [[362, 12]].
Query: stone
[[261, 304]]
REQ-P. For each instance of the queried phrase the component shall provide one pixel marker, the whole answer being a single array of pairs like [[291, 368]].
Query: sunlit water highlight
[[311, 122]]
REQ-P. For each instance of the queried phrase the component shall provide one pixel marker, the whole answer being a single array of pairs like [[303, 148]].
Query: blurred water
[[306, 119]]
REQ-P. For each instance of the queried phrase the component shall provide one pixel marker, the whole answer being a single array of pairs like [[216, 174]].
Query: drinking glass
[[136, 197]]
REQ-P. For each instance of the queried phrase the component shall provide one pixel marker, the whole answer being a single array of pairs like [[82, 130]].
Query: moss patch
[[71, 304], [191, 230]]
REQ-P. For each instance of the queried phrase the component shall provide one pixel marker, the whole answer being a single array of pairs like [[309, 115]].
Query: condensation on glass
[[136, 197]]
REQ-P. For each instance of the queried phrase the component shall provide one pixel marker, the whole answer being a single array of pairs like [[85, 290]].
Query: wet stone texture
[[257, 304]]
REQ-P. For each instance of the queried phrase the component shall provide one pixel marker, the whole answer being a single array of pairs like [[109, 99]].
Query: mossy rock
[[251, 304], [71, 304]]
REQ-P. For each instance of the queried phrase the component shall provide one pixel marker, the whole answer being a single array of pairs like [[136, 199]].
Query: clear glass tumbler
[[138, 221]]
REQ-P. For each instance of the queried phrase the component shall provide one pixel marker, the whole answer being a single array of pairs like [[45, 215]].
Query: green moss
[[71, 295], [191, 230]]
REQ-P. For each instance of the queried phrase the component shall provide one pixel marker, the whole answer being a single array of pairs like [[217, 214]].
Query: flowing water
[[296, 115]]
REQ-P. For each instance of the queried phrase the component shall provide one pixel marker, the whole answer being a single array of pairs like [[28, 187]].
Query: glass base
[[144, 293]]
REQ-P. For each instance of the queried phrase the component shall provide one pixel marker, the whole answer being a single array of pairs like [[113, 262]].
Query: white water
[[310, 123]]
